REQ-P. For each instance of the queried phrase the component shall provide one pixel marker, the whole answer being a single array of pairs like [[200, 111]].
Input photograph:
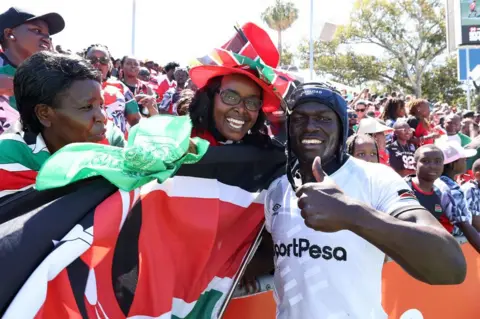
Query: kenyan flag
[[23, 154], [21, 158], [169, 250]]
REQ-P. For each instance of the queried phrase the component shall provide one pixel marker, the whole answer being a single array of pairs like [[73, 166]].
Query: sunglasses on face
[[103, 60], [232, 98], [404, 130], [360, 110], [352, 116]]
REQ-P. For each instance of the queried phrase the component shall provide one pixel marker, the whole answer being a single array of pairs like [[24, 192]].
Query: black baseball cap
[[14, 17]]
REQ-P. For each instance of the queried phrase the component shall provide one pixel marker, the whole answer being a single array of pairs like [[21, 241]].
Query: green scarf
[[156, 149]]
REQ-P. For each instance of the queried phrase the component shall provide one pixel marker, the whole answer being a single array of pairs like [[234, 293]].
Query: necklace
[[405, 148]]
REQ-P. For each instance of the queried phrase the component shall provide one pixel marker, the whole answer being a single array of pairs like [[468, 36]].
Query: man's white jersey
[[331, 275]]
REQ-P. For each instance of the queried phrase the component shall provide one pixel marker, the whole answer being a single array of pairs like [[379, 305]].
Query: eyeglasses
[[230, 97], [360, 110], [103, 60], [352, 116]]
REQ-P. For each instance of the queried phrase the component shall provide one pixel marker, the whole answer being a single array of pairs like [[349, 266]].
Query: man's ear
[[44, 114]]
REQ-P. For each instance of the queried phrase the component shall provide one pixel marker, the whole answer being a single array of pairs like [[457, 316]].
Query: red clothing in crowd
[[421, 129], [163, 86], [206, 136], [384, 158]]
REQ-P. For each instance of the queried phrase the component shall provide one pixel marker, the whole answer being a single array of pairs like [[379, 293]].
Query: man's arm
[[476, 223], [416, 241], [472, 235], [398, 225]]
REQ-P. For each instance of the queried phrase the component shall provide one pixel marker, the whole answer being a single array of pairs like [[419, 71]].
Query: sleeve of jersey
[[391, 193]]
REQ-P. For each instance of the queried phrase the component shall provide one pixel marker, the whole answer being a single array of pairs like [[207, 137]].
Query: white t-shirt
[[331, 275], [455, 138]]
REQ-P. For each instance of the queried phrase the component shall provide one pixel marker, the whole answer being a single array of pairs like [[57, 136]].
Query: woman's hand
[[149, 102], [192, 148]]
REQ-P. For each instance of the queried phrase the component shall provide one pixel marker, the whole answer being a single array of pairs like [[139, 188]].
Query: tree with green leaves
[[440, 83], [286, 57], [405, 37], [280, 17]]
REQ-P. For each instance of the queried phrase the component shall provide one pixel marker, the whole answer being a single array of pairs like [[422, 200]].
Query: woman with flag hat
[[238, 84]]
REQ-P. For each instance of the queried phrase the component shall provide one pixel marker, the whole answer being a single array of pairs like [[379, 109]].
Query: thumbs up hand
[[323, 205]]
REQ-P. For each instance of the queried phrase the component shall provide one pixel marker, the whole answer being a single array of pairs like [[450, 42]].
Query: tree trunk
[[279, 33], [418, 87]]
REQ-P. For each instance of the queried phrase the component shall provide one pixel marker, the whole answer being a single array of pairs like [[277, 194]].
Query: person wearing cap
[[334, 217], [22, 34], [453, 199], [377, 130]]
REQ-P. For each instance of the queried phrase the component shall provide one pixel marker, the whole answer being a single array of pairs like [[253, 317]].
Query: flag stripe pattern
[[168, 250]]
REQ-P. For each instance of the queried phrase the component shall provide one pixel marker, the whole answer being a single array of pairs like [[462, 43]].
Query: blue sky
[[177, 30]]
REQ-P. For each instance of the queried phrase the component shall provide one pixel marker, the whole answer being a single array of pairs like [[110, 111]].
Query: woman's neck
[[14, 57], [52, 141], [425, 186], [129, 80], [450, 174]]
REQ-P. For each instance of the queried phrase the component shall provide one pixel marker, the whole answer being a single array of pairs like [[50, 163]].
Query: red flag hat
[[252, 53]]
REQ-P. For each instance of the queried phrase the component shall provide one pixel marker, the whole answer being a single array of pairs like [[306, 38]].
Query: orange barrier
[[402, 295]]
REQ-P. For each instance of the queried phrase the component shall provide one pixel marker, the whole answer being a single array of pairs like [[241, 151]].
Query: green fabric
[[115, 135], [10, 70], [355, 128], [464, 139], [131, 107], [156, 149]]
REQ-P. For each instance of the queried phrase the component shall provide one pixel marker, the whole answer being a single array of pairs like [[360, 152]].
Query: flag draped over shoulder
[[161, 250]]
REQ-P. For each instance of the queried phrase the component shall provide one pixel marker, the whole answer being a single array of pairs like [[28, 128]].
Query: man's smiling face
[[315, 130]]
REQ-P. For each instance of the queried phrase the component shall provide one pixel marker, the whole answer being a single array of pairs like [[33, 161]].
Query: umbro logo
[[275, 209]]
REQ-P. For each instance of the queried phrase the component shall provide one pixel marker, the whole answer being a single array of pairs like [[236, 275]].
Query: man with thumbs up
[[333, 218]]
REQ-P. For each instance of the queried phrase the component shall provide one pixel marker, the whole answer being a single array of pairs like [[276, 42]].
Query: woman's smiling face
[[233, 120]]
